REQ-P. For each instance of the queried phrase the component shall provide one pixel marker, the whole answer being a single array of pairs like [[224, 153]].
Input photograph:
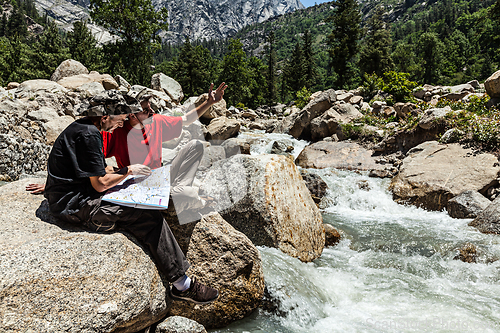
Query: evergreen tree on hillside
[[236, 74], [16, 24], [258, 83], [430, 48], [343, 40], [82, 46], [375, 53], [49, 51], [137, 23], [194, 69], [309, 61], [271, 94], [295, 70]]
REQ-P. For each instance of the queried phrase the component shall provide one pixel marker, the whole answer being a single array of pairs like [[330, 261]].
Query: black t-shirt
[[76, 156]]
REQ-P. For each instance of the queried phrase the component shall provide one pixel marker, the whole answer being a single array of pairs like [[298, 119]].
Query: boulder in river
[[468, 204], [265, 198], [433, 173], [339, 155], [178, 324], [488, 221]]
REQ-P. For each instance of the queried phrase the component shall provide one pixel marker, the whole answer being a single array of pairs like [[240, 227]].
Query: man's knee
[[197, 147]]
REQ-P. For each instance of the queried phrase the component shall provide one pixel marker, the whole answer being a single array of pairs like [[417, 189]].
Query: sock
[[183, 283]]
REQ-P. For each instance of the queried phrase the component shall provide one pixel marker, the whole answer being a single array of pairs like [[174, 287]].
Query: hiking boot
[[197, 293]]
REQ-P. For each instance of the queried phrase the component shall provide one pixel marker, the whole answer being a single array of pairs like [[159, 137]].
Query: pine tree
[[236, 74], [309, 61], [194, 69], [137, 23], [343, 40], [16, 24], [271, 94], [375, 53], [430, 48], [49, 51], [83, 46]]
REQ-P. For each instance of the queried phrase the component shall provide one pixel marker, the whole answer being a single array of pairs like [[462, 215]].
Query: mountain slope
[[209, 19]]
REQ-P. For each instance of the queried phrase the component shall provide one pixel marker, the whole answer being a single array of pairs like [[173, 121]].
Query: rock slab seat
[[225, 259], [433, 173], [58, 278], [266, 198]]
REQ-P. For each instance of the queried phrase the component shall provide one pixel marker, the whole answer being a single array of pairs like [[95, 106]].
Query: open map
[[145, 192]]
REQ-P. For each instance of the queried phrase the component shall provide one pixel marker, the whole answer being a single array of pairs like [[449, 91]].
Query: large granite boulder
[[166, 84], [55, 277], [234, 146], [217, 110], [265, 198], [226, 259], [55, 127], [338, 155], [67, 68], [82, 82], [327, 124], [222, 128], [488, 221], [433, 173], [298, 124], [492, 85], [468, 204], [33, 88]]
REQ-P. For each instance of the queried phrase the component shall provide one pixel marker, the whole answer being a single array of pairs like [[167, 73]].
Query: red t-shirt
[[135, 146]]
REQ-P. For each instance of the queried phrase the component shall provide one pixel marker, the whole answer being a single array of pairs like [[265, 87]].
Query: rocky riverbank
[[81, 281]]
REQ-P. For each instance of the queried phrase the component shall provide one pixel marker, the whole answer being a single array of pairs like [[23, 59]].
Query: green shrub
[[399, 86], [302, 97]]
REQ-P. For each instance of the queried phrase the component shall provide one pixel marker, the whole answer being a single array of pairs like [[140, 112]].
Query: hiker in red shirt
[[139, 141]]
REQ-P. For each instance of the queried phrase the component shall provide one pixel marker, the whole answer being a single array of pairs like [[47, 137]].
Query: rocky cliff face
[[194, 18], [219, 18]]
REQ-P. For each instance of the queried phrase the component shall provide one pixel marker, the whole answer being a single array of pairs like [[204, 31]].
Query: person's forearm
[[103, 183], [196, 113]]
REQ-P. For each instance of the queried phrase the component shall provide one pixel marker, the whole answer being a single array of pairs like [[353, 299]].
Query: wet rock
[[467, 253], [432, 174], [225, 259], [281, 148], [265, 197], [315, 184], [67, 68], [466, 205], [56, 277], [222, 128], [488, 221], [492, 85], [178, 324], [332, 236]]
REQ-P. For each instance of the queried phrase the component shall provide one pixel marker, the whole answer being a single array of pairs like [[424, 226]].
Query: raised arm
[[213, 97]]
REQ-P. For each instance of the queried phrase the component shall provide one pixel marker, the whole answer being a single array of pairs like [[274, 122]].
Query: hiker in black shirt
[[77, 180]]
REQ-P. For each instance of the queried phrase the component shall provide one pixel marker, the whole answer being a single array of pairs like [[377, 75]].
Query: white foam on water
[[261, 142], [393, 271]]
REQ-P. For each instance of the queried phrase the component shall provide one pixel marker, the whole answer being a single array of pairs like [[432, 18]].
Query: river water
[[393, 271]]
